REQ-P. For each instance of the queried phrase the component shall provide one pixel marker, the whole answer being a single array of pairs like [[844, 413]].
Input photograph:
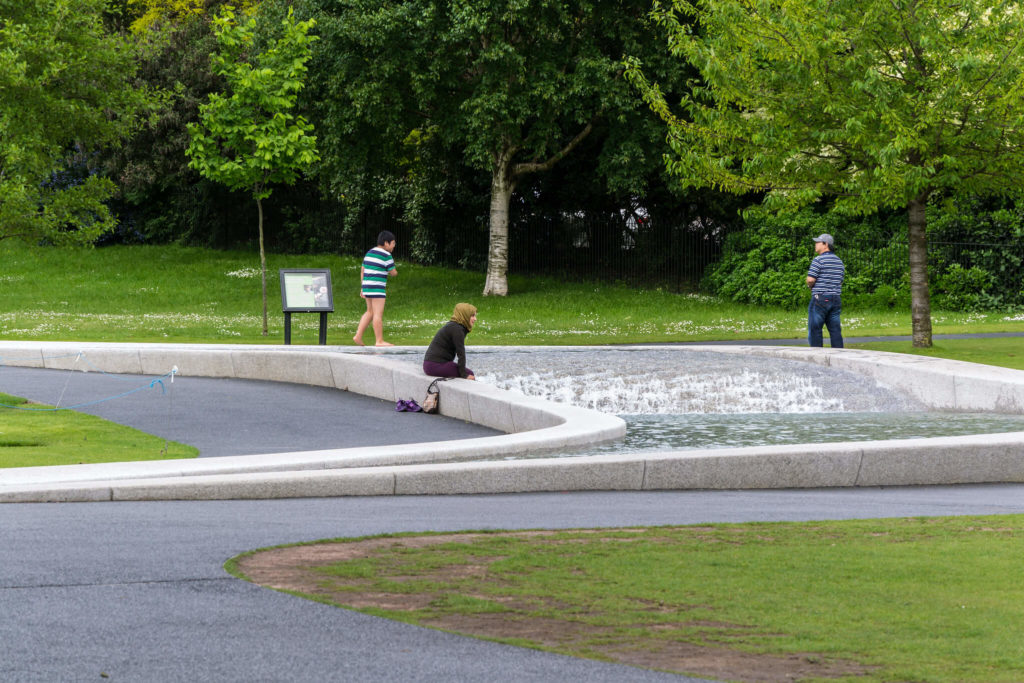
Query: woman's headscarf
[[462, 315]]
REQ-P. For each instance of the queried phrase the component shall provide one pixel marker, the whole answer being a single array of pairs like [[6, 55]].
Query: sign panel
[[306, 290]]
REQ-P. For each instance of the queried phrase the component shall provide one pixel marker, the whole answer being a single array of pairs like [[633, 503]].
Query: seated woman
[[450, 343]]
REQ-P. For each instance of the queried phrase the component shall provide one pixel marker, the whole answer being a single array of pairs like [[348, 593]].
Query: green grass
[[178, 294], [34, 434], [937, 599], [1007, 352]]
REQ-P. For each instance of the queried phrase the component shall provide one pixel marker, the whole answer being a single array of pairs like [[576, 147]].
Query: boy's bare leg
[[364, 322], [378, 322]]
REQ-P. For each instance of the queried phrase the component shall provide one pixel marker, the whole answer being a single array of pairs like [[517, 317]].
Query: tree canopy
[[870, 103], [66, 88], [508, 88], [251, 138]]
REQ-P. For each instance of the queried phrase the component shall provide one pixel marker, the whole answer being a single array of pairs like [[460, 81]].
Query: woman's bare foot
[[358, 341], [384, 343]]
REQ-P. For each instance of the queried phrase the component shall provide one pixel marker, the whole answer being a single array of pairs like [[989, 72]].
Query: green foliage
[[875, 103], [872, 101], [766, 263], [967, 289], [974, 257], [148, 15], [763, 269], [251, 138], [421, 94], [975, 254], [66, 88]]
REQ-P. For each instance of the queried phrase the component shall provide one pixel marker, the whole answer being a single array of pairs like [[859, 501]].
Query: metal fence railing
[[678, 257], [639, 251]]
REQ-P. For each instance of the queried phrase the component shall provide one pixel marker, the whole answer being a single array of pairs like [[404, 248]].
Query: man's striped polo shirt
[[828, 271]]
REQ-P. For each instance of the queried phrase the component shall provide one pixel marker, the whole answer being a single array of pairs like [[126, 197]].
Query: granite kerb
[[531, 424], [942, 384]]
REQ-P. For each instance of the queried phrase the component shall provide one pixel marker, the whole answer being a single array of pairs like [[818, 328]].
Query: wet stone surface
[[673, 400]]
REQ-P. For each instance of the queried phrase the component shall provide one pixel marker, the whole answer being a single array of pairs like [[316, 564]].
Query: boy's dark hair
[[384, 237]]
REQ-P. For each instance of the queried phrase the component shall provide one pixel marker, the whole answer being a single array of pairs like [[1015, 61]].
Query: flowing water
[[676, 399], [671, 381]]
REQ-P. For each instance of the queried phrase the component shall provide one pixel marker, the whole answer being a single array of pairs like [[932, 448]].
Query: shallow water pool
[[676, 399], [695, 431]]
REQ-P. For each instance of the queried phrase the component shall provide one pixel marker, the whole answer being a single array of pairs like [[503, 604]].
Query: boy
[[377, 267]]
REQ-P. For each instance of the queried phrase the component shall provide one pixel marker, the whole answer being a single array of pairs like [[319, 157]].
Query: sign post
[[306, 290]]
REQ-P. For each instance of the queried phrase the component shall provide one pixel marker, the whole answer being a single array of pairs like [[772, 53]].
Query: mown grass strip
[[924, 599], [39, 436], [181, 294], [1007, 352]]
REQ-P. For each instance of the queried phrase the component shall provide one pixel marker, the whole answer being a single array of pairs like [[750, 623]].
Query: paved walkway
[[137, 590], [237, 416]]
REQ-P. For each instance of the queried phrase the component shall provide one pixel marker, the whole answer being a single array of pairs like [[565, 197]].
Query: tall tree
[[510, 87], [875, 103], [251, 139], [66, 89]]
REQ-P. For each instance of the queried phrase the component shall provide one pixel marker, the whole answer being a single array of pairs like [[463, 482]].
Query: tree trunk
[[920, 301], [502, 185], [263, 265]]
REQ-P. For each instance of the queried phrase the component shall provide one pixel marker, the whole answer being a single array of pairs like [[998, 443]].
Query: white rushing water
[[662, 382], [746, 392]]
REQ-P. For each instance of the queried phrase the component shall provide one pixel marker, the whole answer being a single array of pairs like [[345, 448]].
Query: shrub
[[766, 264], [966, 289]]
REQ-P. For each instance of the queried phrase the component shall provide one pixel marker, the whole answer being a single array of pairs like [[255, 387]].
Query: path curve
[[137, 591]]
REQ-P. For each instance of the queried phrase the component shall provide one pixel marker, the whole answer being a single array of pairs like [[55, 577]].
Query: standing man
[[825, 278], [377, 267]]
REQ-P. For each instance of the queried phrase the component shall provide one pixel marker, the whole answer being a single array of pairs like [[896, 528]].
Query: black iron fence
[[639, 251], [578, 248]]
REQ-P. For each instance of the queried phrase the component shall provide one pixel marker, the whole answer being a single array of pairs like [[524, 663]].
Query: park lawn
[[924, 599], [190, 295], [33, 434], [1006, 352]]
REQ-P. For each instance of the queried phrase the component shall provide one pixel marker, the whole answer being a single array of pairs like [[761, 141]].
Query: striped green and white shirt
[[376, 265]]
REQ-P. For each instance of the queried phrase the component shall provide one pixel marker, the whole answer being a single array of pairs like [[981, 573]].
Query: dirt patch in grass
[[295, 569]]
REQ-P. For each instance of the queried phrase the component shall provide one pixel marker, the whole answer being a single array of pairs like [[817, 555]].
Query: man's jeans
[[824, 310]]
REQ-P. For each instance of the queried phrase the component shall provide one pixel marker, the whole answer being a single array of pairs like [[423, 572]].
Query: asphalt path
[[235, 416], [137, 591]]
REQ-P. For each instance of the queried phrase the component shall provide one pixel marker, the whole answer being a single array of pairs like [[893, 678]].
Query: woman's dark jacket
[[449, 342]]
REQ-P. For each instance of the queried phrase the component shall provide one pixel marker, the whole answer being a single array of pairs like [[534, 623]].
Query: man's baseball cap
[[826, 238]]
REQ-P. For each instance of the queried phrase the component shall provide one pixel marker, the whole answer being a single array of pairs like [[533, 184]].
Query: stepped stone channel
[[678, 400]]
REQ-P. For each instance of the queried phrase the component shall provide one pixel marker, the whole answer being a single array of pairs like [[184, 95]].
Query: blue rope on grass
[[150, 385]]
